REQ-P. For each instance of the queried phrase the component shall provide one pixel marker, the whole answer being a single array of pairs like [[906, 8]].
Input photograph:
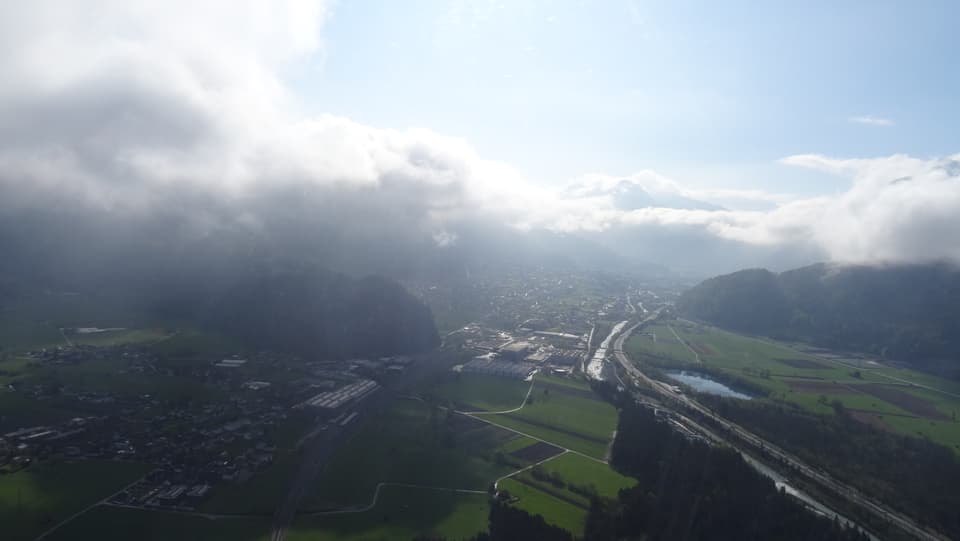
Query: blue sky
[[709, 93]]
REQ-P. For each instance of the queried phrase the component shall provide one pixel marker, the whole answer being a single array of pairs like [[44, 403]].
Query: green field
[[408, 444], [585, 472], [565, 414], [401, 513], [884, 396], [486, 393], [555, 511], [560, 489], [572, 382], [35, 499], [116, 524]]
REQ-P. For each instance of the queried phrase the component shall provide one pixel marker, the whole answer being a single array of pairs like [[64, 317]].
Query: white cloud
[[871, 120], [113, 102]]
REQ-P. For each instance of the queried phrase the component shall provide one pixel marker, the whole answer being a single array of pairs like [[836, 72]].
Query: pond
[[705, 384]]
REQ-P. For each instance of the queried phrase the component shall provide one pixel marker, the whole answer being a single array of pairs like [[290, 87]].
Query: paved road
[[821, 478]]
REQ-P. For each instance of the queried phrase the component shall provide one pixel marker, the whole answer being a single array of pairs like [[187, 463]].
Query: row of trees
[[689, 490], [914, 475]]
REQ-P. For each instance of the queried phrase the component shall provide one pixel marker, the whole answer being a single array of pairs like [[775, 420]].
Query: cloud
[[871, 120], [140, 108], [119, 104], [897, 209]]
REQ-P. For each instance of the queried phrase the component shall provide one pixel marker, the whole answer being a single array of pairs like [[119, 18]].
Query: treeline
[[917, 476], [690, 490], [507, 523], [907, 312]]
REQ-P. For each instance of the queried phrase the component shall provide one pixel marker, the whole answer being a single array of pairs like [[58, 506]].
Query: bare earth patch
[[803, 364], [822, 387], [537, 452], [904, 400], [871, 418]]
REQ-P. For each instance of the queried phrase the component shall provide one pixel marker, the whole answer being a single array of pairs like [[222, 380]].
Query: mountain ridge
[[902, 312]]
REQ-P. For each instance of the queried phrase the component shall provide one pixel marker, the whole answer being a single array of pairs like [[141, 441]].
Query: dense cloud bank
[[179, 115]]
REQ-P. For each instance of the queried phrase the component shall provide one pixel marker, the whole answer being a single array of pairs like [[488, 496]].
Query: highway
[[750, 439]]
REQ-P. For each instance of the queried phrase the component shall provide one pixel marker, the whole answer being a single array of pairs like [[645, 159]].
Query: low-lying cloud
[[140, 107]]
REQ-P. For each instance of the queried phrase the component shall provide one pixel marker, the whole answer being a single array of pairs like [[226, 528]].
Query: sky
[[818, 128], [712, 94]]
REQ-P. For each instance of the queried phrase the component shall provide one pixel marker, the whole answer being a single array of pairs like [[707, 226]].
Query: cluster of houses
[[194, 445]]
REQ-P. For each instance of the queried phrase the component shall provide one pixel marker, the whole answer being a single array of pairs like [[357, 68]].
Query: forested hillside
[[323, 315], [691, 490], [909, 313]]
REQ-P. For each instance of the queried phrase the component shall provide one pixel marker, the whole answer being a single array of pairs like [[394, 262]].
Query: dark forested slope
[[909, 313], [322, 315], [690, 490]]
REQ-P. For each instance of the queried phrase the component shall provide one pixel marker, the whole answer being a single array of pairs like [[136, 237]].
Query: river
[[595, 368]]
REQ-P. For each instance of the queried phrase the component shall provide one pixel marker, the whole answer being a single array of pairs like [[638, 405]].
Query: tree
[[838, 407]]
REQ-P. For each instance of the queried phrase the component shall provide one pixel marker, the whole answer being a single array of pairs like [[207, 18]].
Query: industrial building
[[231, 363], [516, 351], [488, 366], [335, 399]]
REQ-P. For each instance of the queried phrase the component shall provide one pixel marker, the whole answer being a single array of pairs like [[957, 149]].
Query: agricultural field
[[401, 513], [475, 392], [559, 512], [445, 450], [903, 401], [577, 470], [35, 499], [563, 413], [411, 443], [561, 488], [117, 524]]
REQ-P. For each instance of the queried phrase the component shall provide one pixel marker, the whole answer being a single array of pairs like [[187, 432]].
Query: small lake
[[704, 384]]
